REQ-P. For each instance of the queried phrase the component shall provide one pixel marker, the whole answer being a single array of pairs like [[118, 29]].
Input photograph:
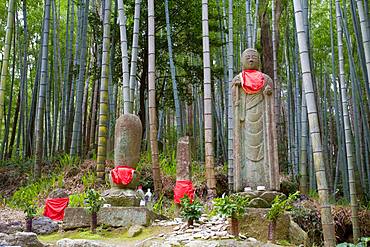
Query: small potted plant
[[27, 203], [232, 207], [93, 202], [279, 205], [30, 211], [190, 210]]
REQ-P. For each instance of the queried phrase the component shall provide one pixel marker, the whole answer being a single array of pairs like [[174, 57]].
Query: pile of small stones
[[214, 228]]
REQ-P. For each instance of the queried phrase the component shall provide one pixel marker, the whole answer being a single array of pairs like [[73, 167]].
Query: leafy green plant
[[279, 205], [93, 201], [232, 206], [77, 200], [89, 180], [190, 210]]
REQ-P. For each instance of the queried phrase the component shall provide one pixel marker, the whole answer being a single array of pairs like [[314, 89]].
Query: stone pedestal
[[112, 216], [121, 197]]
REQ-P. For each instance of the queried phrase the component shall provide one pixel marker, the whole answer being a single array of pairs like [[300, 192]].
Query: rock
[[296, 235], [66, 242], [11, 227], [255, 224], [113, 216], [58, 193], [258, 203], [134, 231], [269, 196], [44, 225], [252, 239], [23, 239]]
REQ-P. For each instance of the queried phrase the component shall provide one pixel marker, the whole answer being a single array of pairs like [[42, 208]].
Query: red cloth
[[122, 174], [54, 208], [183, 187], [252, 81]]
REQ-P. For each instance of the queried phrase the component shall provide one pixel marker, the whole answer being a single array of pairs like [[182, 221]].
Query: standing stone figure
[[124, 178], [255, 147]]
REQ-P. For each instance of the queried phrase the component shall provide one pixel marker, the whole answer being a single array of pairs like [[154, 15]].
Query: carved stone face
[[250, 59]]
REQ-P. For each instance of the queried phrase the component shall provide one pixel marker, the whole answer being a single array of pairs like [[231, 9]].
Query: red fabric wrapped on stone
[[182, 188], [252, 81], [122, 174], [54, 208]]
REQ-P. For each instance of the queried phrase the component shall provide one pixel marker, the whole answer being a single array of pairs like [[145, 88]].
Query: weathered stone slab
[[112, 216], [296, 234], [121, 197], [255, 224], [183, 158]]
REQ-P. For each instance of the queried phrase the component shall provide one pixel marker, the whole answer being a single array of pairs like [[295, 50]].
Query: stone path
[[206, 233]]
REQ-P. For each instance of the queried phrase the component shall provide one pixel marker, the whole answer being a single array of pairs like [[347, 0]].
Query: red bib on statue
[[54, 208], [252, 81], [122, 174], [182, 188]]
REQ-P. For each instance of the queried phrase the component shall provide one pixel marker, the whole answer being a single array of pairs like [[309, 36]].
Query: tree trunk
[[152, 100], [173, 73], [135, 47], [347, 127], [229, 113], [77, 123], [365, 37], [125, 67], [326, 216], [208, 123], [42, 91], [5, 61], [103, 108]]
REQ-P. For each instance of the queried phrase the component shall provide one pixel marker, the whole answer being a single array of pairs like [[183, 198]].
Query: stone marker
[[183, 157], [255, 146], [127, 140], [128, 131]]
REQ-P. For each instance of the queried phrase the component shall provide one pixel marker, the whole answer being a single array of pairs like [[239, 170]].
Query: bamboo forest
[[184, 123]]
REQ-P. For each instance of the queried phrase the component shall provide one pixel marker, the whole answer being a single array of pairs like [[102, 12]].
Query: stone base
[[261, 199], [255, 224], [121, 198], [112, 216]]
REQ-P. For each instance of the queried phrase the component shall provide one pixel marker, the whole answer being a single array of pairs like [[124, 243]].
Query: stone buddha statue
[[255, 146]]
